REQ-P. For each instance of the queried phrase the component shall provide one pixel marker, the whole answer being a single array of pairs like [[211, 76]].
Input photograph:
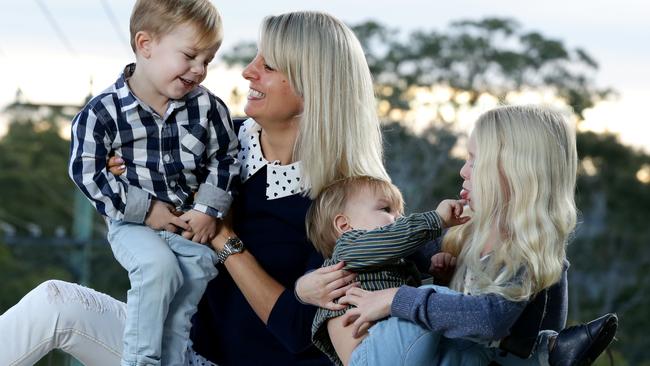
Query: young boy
[[358, 220], [178, 146]]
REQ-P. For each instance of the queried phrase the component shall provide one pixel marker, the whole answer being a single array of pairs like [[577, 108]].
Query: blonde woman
[[312, 121], [519, 181]]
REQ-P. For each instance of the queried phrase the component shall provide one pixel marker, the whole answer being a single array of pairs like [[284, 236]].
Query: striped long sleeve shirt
[[378, 258], [186, 158]]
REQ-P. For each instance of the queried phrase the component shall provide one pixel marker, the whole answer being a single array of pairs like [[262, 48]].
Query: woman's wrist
[[297, 289]]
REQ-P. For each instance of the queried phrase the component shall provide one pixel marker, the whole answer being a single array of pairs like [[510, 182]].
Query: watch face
[[235, 245]]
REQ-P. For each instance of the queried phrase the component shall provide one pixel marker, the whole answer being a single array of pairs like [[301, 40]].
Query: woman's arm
[[284, 316]]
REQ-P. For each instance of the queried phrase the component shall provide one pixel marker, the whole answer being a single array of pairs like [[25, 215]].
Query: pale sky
[[54, 65]]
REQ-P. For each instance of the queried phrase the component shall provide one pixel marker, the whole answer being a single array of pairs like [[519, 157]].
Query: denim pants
[[168, 276], [77, 320], [396, 341]]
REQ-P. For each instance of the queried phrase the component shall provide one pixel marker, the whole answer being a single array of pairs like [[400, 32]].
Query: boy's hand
[[442, 267], [161, 217], [451, 211], [203, 227]]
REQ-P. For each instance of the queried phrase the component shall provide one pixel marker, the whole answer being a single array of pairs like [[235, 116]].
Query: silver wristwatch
[[233, 245]]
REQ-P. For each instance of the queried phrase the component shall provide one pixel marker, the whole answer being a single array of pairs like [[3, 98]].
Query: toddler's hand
[[203, 227], [161, 217], [451, 212], [442, 267]]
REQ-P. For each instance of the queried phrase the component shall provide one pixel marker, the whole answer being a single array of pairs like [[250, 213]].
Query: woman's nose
[[250, 71]]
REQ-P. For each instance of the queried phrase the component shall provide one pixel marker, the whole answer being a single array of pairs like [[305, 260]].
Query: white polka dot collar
[[281, 180]]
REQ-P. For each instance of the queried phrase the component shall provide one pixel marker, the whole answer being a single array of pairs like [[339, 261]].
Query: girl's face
[[270, 97], [466, 171]]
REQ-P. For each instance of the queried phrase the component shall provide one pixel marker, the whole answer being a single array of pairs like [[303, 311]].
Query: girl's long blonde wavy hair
[[523, 183], [339, 134]]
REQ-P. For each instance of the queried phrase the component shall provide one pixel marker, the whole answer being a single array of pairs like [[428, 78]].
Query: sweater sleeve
[[290, 320], [361, 249], [487, 317]]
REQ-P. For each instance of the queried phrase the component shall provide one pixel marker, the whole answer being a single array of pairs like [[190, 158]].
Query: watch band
[[233, 246]]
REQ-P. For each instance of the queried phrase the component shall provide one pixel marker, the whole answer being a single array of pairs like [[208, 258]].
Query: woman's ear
[[341, 223], [143, 41]]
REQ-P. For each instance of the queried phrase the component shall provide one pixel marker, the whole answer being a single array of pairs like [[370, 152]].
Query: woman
[[313, 120]]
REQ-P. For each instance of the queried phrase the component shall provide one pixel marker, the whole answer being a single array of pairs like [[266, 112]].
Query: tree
[[36, 214], [492, 56]]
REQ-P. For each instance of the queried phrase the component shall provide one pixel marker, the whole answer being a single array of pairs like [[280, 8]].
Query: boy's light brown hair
[[331, 201], [159, 17]]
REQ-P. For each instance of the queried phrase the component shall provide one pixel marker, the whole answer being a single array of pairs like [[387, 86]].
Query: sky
[[52, 49]]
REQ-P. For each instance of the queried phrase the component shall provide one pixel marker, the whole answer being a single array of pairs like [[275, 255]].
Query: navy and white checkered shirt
[[186, 157]]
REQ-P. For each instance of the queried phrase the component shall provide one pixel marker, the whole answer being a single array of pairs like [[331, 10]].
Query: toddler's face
[[368, 210]]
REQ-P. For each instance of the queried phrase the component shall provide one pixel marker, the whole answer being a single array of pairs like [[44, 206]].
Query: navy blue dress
[[225, 328]]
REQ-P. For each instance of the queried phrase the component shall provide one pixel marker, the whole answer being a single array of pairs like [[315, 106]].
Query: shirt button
[[167, 158], [172, 184]]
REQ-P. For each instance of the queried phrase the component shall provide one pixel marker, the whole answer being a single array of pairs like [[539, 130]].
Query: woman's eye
[[268, 68], [188, 56], [386, 209]]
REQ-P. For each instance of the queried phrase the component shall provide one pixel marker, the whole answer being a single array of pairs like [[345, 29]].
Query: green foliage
[[493, 55], [610, 262], [38, 193], [20, 275], [420, 165], [33, 159]]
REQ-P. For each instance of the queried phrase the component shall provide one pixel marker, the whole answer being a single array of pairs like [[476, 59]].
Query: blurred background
[[436, 66]]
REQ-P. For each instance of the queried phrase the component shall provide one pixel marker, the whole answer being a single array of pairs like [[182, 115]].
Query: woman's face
[[466, 171], [270, 97]]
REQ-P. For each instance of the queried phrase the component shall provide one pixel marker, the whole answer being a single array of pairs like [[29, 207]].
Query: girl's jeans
[[395, 341]]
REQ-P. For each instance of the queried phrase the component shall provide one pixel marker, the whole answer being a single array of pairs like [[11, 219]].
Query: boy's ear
[[341, 224], [143, 41]]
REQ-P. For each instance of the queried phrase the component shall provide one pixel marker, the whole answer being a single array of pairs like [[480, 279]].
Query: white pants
[[77, 320]]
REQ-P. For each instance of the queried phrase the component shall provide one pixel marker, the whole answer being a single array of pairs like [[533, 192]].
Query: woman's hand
[[324, 285], [116, 165], [225, 232], [370, 307]]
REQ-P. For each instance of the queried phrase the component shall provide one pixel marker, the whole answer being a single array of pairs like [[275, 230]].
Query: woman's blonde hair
[[523, 183], [339, 134], [332, 200], [159, 17]]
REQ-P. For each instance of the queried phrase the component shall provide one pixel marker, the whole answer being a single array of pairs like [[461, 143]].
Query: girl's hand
[[371, 306], [451, 212], [115, 165], [324, 285]]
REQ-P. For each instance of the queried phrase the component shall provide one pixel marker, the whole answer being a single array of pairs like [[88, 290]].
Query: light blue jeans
[[168, 276], [396, 341]]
